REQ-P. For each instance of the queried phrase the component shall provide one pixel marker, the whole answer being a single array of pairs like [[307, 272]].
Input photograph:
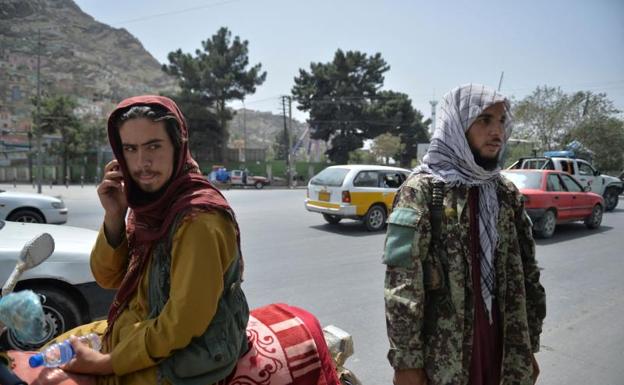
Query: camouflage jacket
[[428, 288]]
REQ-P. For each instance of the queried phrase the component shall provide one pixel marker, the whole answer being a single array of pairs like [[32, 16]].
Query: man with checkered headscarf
[[464, 304]]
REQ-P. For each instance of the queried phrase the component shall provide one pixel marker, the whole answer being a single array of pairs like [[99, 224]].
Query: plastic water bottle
[[62, 352]]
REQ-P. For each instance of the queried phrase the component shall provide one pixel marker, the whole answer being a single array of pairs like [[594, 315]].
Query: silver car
[[68, 291], [31, 208]]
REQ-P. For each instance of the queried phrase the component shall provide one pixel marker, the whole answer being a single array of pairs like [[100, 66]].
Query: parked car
[[607, 186], [69, 293], [243, 178], [553, 197], [361, 192], [31, 208]]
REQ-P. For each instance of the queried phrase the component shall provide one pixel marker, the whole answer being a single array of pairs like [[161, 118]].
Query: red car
[[553, 197]]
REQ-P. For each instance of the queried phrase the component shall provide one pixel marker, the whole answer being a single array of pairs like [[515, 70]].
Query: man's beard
[[488, 164], [147, 197]]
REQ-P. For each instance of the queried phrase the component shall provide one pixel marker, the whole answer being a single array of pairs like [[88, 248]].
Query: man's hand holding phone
[[113, 199]]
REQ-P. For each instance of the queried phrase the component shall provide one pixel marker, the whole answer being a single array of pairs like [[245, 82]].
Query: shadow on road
[[350, 228], [569, 231]]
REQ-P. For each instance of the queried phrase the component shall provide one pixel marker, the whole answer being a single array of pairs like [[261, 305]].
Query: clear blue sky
[[431, 46]]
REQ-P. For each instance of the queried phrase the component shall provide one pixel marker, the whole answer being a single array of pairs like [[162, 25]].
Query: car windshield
[[330, 177], [525, 180]]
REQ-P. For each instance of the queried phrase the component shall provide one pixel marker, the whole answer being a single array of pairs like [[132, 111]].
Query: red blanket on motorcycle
[[286, 346]]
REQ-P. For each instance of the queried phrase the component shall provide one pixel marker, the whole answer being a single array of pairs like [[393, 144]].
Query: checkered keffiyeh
[[450, 160]]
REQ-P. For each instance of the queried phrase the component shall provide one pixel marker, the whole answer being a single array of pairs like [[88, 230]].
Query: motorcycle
[[286, 344]]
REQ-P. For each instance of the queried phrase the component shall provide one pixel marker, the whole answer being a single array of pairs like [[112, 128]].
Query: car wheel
[[375, 218], [27, 216], [595, 219], [547, 224], [259, 185], [61, 314], [332, 219], [611, 199]]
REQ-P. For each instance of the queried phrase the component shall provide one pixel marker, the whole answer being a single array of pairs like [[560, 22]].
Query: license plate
[[324, 196]]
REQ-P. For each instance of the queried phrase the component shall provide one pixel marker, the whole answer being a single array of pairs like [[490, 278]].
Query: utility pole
[[98, 149], [586, 106], [433, 115], [31, 180], [244, 132], [500, 82], [291, 154], [38, 116], [288, 140]]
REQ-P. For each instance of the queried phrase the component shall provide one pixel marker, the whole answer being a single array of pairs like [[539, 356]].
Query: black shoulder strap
[[437, 206], [435, 276]]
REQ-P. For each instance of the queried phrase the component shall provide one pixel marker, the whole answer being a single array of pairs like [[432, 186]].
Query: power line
[[252, 101], [594, 85], [158, 15], [370, 121], [612, 85]]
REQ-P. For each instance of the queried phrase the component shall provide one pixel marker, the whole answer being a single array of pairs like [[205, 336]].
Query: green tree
[[361, 156], [399, 118], [216, 74], [95, 131], [386, 146], [280, 145], [519, 148], [588, 106], [57, 117], [205, 128], [95, 136], [544, 115], [605, 137], [338, 96], [550, 115], [411, 136]]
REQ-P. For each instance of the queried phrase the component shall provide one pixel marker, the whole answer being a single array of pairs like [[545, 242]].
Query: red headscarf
[[150, 221]]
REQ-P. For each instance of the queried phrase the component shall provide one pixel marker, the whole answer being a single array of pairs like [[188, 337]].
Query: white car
[[69, 293], [31, 208]]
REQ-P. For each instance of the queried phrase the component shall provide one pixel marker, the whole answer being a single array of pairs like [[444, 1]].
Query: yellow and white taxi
[[361, 192]]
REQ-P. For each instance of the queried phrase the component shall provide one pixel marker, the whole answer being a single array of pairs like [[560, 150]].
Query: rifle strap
[[436, 209], [434, 274]]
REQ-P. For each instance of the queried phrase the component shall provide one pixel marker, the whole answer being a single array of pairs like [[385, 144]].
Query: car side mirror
[[587, 188]]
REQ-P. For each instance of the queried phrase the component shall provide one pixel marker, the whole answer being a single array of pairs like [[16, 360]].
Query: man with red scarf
[[179, 315]]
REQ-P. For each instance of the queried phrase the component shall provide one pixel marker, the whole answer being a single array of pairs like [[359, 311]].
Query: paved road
[[335, 272]]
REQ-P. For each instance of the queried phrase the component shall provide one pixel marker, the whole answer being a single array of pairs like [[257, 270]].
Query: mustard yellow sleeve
[[203, 248], [109, 264]]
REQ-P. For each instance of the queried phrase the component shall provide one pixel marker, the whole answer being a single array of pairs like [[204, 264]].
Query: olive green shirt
[[428, 289]]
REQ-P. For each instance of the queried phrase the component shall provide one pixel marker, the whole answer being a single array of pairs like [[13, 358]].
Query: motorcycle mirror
[[37, 250], [339, 342], [33, 253]]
